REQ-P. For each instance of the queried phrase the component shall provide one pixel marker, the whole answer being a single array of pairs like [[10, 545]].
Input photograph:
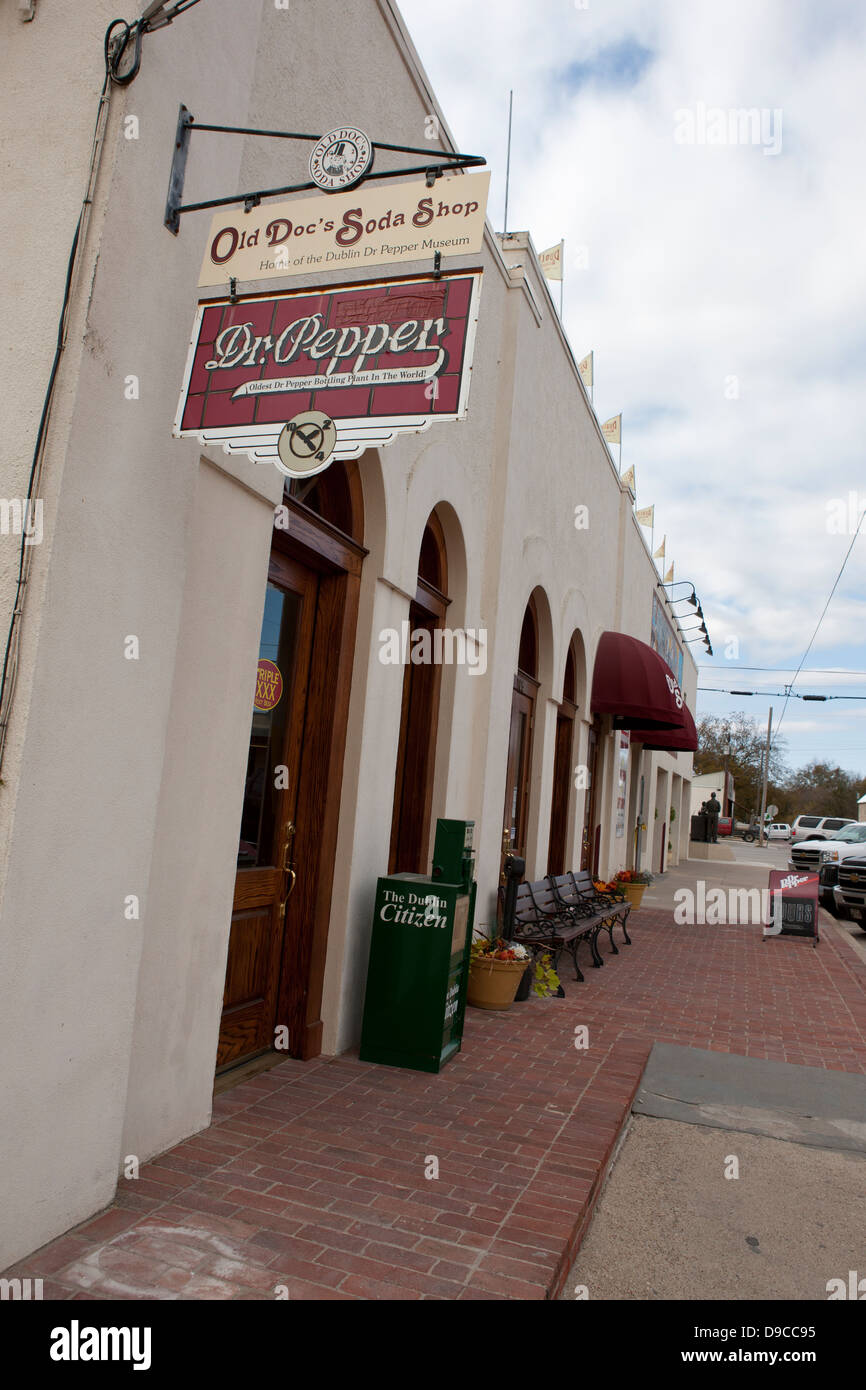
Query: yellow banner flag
[[669, 577], [612, 429], [551, 261], [628, 479], [646, 515], [660, 553], [585, 369]]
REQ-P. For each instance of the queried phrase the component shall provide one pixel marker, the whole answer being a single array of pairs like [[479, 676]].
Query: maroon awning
[[683, 740], [633, 683]]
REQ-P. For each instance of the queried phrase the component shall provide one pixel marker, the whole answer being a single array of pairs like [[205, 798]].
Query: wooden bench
[[572, 895], [542, 921], [617, 903]]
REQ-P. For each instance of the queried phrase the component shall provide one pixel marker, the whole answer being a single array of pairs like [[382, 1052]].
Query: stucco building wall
[[125, 764]]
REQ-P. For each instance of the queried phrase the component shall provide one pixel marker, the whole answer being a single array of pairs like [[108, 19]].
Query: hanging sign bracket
[[339, 160]]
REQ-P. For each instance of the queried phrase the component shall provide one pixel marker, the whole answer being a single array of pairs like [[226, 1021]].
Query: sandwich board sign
[[793, 905]]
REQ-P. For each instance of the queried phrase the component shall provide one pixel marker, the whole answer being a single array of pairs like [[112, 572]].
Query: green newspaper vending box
[[419, 958]]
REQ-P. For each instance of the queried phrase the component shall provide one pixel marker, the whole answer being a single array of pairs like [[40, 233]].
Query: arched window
[[569, 684], [419, 718], [527, 657], [562, 778], [334, 495], [516, 811]]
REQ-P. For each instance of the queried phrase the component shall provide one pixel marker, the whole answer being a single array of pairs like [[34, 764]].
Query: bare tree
[[746, 739]]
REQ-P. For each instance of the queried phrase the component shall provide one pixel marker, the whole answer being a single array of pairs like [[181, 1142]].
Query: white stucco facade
[[123, 779]]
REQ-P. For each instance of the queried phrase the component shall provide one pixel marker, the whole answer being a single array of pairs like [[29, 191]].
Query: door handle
[[288, 894]]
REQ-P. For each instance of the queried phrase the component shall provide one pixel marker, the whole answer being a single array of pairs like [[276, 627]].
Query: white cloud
[[705, 263]]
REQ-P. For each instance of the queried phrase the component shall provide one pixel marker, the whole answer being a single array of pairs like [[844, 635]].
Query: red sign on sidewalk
[[793, 905]]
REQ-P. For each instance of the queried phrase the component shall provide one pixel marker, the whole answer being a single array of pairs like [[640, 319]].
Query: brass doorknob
[[287, 847]]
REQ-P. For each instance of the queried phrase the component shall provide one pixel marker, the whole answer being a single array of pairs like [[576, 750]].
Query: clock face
[[306, 444], [341, 158]]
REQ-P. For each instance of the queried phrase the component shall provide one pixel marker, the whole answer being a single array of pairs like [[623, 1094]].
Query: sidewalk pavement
[[671, 1225], [312, 1181]]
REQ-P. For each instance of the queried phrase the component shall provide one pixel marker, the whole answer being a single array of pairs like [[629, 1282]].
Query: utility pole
[[725, 810], [766, 774]]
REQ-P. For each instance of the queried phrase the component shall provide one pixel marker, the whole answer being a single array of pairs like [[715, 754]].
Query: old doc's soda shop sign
[[340, 369], [374, 226]]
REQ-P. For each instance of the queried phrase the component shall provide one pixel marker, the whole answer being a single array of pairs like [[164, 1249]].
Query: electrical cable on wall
[[10, 658], [118, 37]]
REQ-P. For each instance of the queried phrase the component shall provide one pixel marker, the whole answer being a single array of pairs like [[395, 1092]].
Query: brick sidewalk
[[312, 1175]]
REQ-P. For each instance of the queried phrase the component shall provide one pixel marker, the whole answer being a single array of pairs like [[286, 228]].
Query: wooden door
[[416, 756], [266, 871], [561, 794], [590, 842], [419, 717], [517, 775]]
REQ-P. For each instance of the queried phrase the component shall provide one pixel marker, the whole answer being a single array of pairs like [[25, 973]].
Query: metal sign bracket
[[186, 123]]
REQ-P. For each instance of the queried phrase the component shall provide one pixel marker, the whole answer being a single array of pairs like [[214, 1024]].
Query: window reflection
[[268, 733]]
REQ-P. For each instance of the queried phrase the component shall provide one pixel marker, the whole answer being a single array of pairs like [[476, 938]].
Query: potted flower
[[634, 883], [496, 969], [609, 890]]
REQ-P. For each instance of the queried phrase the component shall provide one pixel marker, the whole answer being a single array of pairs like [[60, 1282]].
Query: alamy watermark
[[21, 516], [20, 1290], [854, 1289], [734, 125], [730, 907], [441, 646], [844, 513], [77, 1343]]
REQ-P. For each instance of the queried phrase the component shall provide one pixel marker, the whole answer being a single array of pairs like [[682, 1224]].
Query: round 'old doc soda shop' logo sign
[[340, 158], [269, 686]]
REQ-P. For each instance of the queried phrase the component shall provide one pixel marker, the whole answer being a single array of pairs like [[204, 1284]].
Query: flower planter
[[634, 892], [493, 983]]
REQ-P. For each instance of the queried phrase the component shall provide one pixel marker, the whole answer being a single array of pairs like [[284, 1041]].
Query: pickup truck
[[827, 858], [849, 892]]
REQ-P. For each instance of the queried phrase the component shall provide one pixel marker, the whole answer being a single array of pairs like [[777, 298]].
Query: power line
[[777, 694], [820, 621], [810, 670]]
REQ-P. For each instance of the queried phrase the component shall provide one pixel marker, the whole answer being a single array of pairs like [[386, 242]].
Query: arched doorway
[[524, 692], [561, 794], [282, 900], [419, 717]]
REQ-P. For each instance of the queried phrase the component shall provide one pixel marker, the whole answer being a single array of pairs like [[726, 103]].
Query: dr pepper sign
[[300, 378]]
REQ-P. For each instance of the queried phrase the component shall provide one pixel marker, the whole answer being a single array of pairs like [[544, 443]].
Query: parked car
[[819, 827], [825, 856], [850, 892], [778, 830]]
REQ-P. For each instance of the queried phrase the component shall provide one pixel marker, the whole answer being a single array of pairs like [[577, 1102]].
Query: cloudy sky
[[722, 286]]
